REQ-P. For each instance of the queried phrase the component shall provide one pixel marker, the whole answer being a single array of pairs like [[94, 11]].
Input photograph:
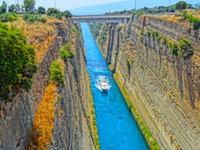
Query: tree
[[41, 10], [3, 7], [29, 6], [17, 63], [189, 6], [14, 8], [66, 14], [52, 11], [181, 5]]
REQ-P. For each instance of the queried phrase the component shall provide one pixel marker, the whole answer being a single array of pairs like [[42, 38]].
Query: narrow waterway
[[116, 126]]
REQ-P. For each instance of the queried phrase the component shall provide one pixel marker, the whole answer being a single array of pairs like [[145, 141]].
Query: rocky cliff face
[[73, 122], [164, 85], [74, 128]]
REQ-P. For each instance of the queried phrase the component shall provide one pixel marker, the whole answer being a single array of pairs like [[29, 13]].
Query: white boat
[[104, 85]]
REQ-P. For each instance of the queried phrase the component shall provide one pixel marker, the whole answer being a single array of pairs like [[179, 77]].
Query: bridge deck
[[102, 18]]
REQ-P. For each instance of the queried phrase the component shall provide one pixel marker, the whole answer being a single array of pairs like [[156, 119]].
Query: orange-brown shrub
[[44, 120]]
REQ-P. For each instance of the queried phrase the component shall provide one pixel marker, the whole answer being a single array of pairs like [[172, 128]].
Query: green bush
[[189, 17], [17, 63], [154, 34], [139, 13], [30, 18], [65, 54], [164, 40], [42, 19], [8, 17], [149, 32], [56, 74], [158, 38], [66, 14], [175, 49], [74, 30], [52, 11], [141, 32], [196, 23], [185, 48], [41, 10], [184, 15], [58, 14], [65, 51]]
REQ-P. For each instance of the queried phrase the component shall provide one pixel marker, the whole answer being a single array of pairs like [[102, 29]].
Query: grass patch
[[65, 51], [146, 132], [8, 17], [74, 30], [30, 18], [56, 75], [65, 54]]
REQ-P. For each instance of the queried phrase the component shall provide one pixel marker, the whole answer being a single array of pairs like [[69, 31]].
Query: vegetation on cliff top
[[181, 5], [58, 14], [8, 17], [28, 7], [34, 18], [17, 63], [191, 19]]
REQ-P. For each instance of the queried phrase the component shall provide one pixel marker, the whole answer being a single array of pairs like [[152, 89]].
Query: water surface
[[116, 127]]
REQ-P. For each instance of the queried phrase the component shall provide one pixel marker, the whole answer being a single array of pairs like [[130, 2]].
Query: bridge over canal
[[102, 18]]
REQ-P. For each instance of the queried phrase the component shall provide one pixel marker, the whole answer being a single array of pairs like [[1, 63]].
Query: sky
[[65, 4], [72, 4]]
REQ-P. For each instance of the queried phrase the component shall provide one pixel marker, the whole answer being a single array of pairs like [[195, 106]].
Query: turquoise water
[[116, 127]]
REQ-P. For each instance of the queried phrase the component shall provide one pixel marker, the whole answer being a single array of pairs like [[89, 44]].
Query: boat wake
[[103, 83]]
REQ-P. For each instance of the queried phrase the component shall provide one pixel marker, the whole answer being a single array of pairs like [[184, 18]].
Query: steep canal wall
[[161, 78], [66, 119]]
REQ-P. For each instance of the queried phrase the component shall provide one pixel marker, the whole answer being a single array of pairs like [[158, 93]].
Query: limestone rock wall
[[17, 116], [71, 129], [73, 110], [165, 88]]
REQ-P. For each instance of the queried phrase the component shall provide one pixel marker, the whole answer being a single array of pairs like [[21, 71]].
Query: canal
[[116, 126]]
